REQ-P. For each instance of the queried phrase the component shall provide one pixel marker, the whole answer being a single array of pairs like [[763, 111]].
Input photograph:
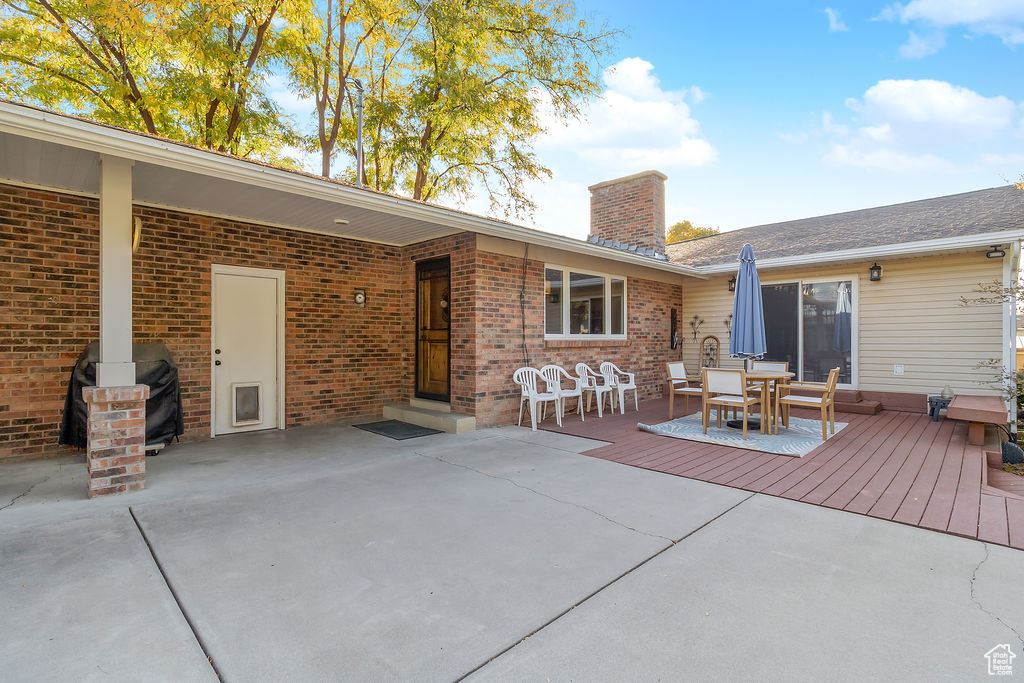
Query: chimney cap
[[627, 178]]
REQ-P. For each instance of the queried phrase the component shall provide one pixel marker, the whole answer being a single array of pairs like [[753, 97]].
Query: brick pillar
[[116, 450]]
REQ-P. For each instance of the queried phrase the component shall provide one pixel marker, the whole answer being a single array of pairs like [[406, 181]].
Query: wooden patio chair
[[826, 402], [679, 385], [726, 389]]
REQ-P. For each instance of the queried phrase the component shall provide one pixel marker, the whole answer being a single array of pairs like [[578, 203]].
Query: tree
[[685, 230], [189, 70]]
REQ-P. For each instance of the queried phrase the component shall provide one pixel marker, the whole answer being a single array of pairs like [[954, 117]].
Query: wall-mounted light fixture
[[875, 273], [995, 252], [732, 284], [360, 297]]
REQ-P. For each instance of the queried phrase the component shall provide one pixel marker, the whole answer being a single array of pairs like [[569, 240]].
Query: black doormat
[[396, 429]]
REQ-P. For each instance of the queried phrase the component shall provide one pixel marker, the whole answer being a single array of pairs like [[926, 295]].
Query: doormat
[[800, 438], [396, 429]]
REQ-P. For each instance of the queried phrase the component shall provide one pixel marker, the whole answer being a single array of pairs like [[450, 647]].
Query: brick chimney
[[630, 210]]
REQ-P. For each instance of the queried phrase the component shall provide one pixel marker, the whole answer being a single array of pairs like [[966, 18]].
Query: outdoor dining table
[[766, 377]]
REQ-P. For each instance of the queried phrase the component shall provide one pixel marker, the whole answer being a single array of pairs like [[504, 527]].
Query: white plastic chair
[[597, 385], [527, 379], [554, 375], [623, 382]]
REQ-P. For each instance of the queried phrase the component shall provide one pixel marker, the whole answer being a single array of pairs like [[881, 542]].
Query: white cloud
[[920, 125], [918, 46], [1003, 19], [635, 125], [835, 22]]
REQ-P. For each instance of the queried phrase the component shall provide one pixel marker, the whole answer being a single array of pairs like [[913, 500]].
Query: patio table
[[766, 377]]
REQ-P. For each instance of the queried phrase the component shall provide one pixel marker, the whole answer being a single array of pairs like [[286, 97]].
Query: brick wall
[[500, 335], [630, 210], [49, 310], [341, 360]]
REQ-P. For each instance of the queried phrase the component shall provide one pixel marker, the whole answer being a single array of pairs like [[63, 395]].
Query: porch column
[[115, 368], [116, 436]]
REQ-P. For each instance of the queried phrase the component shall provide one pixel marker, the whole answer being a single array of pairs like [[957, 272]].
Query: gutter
[[72, 132], [877, 253]]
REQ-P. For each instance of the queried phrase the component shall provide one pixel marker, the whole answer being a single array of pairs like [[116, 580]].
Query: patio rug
[[800, 438], [396, 429]]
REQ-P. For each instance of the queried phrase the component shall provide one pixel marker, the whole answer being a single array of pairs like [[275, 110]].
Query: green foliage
[[685, 230], [456, 91]]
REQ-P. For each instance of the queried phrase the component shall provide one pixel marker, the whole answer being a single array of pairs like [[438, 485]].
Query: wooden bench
[[978, 411]]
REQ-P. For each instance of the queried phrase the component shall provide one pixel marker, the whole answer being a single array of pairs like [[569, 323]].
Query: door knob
[[216, 362], [217, 351]]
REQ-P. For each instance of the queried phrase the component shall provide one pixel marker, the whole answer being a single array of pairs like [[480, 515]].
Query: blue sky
[[765, 111]]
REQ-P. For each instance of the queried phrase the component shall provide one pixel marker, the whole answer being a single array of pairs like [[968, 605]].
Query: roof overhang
[[887, 251], [47, 149]]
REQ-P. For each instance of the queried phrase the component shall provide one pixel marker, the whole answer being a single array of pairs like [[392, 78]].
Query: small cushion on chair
[[816, 400]]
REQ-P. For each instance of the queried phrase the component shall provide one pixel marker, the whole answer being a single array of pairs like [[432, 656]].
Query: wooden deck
[[897, 466]]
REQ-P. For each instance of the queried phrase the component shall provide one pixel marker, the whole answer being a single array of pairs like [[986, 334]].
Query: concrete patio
[[331, 553]]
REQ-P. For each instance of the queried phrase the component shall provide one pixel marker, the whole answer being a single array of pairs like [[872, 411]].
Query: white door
[[245, 351]]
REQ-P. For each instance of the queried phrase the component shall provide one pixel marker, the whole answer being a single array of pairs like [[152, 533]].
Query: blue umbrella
[[748, 338]]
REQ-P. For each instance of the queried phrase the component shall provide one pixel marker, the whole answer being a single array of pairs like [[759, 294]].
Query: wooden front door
[[433, 313]]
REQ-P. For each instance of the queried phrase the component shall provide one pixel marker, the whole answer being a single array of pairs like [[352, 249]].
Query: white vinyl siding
[[912, 317]]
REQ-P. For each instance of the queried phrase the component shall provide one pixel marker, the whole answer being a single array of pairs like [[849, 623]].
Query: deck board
[[894, 465]]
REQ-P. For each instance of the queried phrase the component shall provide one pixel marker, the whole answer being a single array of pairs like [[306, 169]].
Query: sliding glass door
[[811, 325]]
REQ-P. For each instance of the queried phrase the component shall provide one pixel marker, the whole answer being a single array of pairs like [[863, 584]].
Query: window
[[579, 304], [811, 325]]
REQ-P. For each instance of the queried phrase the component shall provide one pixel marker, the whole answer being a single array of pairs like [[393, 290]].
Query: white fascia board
[[920, 248], [72, 132]]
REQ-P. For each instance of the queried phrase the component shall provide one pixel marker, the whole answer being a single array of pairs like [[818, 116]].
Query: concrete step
[[429, 404], [445, 420]]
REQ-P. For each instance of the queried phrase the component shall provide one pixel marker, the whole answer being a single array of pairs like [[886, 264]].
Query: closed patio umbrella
[[842, 336], [748, 338]]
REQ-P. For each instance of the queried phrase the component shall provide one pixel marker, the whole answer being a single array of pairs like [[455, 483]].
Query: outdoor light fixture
[[360, 297], [732, 284], [875, 273], [995, 252]]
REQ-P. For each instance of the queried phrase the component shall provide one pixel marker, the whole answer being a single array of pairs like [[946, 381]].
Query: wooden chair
[[679, 385], [726, 389], [825, 402]]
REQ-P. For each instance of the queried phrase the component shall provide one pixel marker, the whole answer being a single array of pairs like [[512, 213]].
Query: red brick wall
[[49, 310], [341, 360], [630, 210], [500, 335]]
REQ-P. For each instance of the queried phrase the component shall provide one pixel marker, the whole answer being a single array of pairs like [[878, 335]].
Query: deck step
[[433, 418], [859, 407]]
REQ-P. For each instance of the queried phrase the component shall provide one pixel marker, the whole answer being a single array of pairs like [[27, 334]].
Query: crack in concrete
[[601, 589], [24, 493], [544, 495], [974, 597]]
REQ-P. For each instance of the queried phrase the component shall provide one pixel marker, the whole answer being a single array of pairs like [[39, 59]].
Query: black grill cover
[[155, 367]]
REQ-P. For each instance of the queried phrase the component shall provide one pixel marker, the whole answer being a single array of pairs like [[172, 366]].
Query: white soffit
[[45, 149]]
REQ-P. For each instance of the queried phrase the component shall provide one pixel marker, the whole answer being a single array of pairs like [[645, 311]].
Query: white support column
[[115, 368], [1011, 265]]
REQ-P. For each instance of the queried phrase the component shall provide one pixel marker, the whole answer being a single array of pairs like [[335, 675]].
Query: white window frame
[[854, 281], [608, 277]]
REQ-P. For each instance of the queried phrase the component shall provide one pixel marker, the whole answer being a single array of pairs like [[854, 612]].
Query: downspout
[[359, 131], [1011, 273]]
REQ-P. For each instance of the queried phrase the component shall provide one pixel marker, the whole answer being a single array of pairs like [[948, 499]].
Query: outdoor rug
[[800, 438], [398, 430]]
